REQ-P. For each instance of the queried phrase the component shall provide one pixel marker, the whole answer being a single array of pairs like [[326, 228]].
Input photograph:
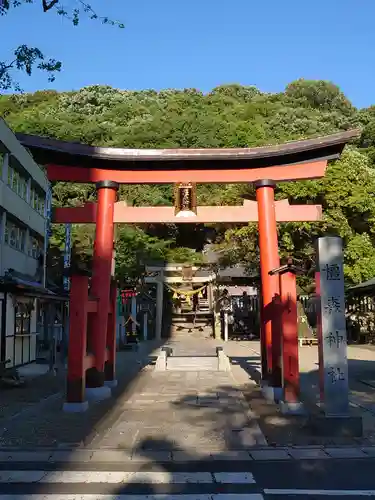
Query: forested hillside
[[228, 116]]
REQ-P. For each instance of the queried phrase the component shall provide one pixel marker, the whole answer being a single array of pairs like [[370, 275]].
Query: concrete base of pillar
[[76, 407], [292, 408], [223, 362], [98, 393], [111, 383], [161, 362], [273, 394]]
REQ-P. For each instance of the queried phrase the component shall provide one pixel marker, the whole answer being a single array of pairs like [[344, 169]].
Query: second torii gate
[[264, 167]]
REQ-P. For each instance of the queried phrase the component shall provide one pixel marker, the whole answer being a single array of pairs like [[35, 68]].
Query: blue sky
[[204, 43]]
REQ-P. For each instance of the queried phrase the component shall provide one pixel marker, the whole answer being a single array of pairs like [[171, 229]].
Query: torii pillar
[[269, 260], [101, 286]]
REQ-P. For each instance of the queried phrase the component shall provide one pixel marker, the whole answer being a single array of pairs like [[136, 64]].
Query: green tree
[[319, 94], [347, 195], [228, 116], [134, 248]]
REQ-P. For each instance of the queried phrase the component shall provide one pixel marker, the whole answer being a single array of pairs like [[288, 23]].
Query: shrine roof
[[366, 286], [52, 151]]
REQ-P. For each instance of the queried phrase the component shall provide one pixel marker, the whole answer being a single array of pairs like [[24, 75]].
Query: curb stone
[[252, 454]]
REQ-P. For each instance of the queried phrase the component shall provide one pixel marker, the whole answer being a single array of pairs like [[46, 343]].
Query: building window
[[33, 198], [10, 175], [15, 236], [37, 201], [17, 182], [23, 188], [2, 156], [22, 239], [35, 248], [41, 206], [23, 319]]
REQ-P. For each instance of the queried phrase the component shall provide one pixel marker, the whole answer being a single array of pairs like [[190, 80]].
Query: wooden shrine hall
[[91, 359]]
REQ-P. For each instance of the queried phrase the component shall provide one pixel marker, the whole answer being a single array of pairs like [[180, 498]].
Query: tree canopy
[[228, 116]]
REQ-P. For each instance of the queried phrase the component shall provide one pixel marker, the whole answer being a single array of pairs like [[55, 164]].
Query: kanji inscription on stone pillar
[[333, 324]]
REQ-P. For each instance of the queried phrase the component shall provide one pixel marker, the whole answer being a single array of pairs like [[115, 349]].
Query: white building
[[23, 187]]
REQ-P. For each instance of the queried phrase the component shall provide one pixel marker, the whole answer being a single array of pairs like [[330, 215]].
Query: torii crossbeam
[[244, 214]]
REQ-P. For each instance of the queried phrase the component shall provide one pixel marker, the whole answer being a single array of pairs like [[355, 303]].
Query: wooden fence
[[246, 316], [360, 316]]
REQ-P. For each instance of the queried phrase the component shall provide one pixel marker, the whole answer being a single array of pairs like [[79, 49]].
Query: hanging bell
[[175, 295]]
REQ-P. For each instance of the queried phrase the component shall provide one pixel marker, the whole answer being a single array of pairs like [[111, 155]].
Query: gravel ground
[[16, 399], [288, 430], [32, 415]]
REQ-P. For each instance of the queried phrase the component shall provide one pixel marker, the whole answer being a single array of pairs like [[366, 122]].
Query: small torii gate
[[109, 167]]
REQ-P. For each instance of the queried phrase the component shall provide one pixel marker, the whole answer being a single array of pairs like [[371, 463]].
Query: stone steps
[[180, 359], [202, 318], [192, 363]]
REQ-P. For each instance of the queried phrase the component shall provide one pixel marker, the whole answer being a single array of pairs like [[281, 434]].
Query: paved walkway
[[175, 436], [180, 411], [196, 412]]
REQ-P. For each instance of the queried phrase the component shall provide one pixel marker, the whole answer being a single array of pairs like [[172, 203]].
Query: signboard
[[67, 253], [185, 199], [187, 273], [333, 325], [127, 294]]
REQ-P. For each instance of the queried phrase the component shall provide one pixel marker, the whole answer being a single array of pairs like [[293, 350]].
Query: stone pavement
[[32, 416], [200, 412], [148, 410], [174, 435], [281, 430], [171, 417], [193, 412], [256, 475], [232, 459], [361, 366], [188, 411]]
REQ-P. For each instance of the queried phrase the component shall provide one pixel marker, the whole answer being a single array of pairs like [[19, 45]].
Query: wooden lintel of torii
[[248, 212]]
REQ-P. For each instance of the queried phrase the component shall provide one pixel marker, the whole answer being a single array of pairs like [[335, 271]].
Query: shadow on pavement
[[199, 429], [32, 416], [289, 430]]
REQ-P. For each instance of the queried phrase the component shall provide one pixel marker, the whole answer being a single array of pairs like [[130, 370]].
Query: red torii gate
[[108, 167]]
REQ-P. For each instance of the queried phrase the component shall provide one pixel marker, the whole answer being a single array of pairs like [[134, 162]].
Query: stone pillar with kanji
[[333, 326]]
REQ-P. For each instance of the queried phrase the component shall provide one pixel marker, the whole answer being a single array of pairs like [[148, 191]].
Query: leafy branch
[[86, 9], [27, 58], [48, 6]]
